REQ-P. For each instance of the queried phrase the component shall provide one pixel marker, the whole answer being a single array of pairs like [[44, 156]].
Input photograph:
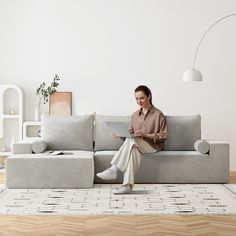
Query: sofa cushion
[[102, 134], [183, 131], [202, 146], [75, 170], [68, 133], [39, 146], [162, 167]]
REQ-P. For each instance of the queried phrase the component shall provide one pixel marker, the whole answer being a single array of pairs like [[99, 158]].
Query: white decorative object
[[36, 114], [13, 140], [4, 148], [31, 130], [11, 96], [12, 110], [193, 74]]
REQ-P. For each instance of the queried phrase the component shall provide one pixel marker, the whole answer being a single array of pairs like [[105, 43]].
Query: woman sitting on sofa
[[149, 127]]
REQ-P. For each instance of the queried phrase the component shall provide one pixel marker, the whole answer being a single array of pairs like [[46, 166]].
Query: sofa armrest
[[219, 148], [219, 156], [22, 148], [219, 151]]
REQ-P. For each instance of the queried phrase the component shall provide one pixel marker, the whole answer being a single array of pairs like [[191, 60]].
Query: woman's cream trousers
[[128, 158]]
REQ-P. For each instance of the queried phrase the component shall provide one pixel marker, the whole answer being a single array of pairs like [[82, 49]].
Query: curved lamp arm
[[193, 74], [221, 19]]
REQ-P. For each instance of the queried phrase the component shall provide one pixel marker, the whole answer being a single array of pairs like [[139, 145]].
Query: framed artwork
[[60, 104]]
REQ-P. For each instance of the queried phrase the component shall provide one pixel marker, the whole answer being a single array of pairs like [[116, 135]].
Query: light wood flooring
[[175, 225]]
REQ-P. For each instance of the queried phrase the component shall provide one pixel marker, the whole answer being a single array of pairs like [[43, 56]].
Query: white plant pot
[[36, 114]]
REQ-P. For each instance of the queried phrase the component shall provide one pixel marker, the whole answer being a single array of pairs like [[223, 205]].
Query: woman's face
[[141, 99]]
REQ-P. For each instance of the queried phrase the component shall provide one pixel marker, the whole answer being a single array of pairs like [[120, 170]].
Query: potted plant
[[44, 93]]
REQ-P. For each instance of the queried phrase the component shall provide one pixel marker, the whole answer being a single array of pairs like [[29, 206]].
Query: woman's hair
[[145, 90]]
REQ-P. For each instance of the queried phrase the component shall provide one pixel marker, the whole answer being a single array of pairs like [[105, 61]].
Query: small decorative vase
[[12, 110], [12, 142], [36, 114], [4, 148]]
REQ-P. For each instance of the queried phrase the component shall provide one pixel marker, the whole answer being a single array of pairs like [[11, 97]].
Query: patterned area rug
[[147, 199]]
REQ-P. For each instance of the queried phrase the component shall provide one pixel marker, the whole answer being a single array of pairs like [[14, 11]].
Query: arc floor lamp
[[193, 74]]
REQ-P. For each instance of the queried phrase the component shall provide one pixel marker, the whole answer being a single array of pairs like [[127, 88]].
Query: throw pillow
[[202, 146], [39, 146], [183, 131], [68, 133], [102, 136]]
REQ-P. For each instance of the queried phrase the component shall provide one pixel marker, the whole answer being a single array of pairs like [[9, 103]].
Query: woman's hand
[[131, 130], [115, 136], [139, 133]]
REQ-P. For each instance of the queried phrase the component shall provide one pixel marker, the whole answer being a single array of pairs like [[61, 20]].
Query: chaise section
[[75, 169]]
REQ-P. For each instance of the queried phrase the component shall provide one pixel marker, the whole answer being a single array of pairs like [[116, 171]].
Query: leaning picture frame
[[60, 104]]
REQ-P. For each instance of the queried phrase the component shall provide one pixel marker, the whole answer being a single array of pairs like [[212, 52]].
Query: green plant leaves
[[44, 92]]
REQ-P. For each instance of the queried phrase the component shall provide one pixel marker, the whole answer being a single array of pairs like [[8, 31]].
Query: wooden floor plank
[[153, 225]]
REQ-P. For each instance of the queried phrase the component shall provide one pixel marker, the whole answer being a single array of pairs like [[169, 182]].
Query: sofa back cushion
[[183, 131], [68, 133], [102, 134]]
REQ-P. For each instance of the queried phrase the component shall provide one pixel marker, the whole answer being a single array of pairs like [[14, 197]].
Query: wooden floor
[[224, 225]]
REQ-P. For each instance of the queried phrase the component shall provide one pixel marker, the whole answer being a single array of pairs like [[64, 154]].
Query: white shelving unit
[[11, 113], [31, 130]]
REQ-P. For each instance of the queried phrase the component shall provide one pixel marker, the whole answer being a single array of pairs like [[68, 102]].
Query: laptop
[[119, 128]]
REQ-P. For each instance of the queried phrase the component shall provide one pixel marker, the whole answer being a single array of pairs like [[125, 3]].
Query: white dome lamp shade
[[193, 74]]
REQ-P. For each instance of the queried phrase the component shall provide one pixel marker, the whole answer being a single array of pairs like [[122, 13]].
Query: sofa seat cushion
[[178, 154], [162, 167], [68, 133], [162, 154], [75, 170], [102, 159]]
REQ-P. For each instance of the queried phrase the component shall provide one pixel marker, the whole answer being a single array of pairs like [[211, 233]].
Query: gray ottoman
[[74, 170]]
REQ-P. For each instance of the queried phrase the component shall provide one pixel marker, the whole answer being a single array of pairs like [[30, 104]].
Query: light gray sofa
[[186, 158]]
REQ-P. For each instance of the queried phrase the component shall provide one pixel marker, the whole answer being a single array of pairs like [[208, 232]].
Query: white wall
[[103, 49]]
